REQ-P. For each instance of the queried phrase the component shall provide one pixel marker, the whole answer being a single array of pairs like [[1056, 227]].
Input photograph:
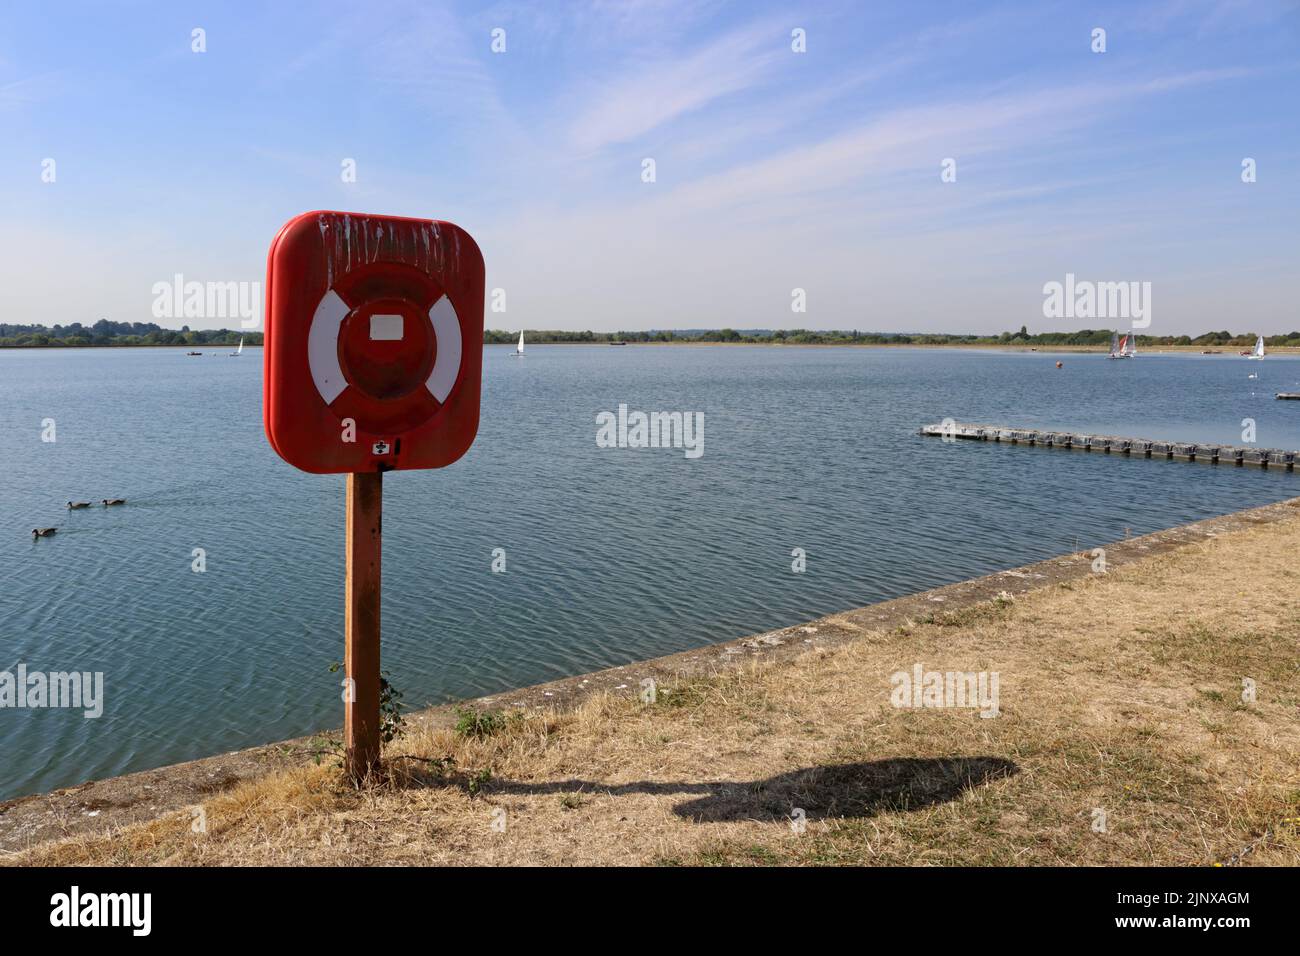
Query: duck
[[43, 532], [78, 504], [114, 501]]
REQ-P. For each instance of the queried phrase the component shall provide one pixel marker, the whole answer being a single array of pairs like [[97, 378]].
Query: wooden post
[[365, 505]]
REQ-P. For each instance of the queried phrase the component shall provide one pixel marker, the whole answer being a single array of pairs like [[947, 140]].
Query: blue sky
[[775, 170]]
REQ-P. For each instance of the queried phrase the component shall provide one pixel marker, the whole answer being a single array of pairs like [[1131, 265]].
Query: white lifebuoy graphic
[[323, 356], [446, 365]]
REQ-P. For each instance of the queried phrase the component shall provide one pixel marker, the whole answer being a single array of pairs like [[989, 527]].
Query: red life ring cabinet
[[374, 342]]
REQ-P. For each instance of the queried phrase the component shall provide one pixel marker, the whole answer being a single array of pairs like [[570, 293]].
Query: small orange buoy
[[1060, 364]]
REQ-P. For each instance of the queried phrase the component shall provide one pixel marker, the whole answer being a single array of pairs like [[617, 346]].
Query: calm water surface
[[612, 555]]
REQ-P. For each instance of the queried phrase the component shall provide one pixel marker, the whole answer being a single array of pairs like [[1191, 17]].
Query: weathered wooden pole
[[365, 508]]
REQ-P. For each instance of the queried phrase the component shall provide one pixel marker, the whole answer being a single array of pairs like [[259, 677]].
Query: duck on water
[[43, 532], [113, 501]]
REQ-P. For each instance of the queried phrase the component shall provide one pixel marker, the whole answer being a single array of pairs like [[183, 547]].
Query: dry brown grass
[[1119, 692]]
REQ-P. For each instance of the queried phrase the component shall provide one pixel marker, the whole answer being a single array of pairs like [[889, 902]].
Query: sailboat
[[1132, 346], [1258, 351], [1119, 347], [519, 349], [237, 352]]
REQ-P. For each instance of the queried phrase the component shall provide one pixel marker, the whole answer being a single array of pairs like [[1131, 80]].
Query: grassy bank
[[1119, 693]]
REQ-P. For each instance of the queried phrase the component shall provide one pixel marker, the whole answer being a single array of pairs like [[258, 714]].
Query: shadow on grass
[[836, 790]]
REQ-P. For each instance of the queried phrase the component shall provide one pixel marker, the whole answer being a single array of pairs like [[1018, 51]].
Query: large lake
[[613, 555]]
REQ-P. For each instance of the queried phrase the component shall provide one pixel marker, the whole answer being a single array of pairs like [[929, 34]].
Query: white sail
[[519, 350], [1114, 344], [1259, 347], [240, 350], [1132, 349]]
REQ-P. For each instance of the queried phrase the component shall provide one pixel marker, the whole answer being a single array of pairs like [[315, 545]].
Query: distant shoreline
[[1231, 350], [135, 345]]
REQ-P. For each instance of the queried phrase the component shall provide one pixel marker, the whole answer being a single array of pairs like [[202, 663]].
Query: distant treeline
[[1097, 337], [106, 333]]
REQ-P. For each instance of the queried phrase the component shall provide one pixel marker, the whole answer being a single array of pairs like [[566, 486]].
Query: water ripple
[[612, 555]]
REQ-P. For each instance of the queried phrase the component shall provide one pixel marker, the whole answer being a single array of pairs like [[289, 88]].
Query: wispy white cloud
[[429, 57], [20, 93], [920, 137], [1204, 17], [643, 97]]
